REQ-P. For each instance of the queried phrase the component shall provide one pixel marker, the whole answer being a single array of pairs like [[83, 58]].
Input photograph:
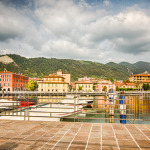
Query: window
[[8, 84], [4, 84], [0, 76], [4, 79], [0, 79]]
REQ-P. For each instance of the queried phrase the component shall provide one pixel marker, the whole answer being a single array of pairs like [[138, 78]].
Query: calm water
[[137, 109]]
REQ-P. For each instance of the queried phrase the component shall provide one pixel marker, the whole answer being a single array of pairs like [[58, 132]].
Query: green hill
[[39, 67]]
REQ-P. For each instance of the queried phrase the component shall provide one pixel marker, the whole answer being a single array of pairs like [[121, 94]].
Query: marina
[[108, 108]]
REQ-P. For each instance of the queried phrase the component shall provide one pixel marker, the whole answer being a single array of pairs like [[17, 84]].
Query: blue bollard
[[121, 119], [122, 112]]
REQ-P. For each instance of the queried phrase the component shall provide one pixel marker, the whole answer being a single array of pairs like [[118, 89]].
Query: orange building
[[10, 81], [125, 85], [139, 77]]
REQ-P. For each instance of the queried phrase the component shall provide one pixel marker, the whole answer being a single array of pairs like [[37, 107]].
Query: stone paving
[[38, 135]]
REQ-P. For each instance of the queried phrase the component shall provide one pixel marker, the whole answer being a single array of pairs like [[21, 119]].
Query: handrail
[[76, 108]]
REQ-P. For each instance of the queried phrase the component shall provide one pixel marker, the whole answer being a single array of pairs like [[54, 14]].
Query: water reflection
[[137, 107]]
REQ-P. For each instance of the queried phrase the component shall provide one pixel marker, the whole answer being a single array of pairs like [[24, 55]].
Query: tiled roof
[[5, 72], [82, 82], [146, 81], [133, 84], [118, 83], [145, 75], [53, 76]]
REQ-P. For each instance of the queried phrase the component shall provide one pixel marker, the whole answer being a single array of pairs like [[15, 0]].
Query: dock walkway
[[40, 135]]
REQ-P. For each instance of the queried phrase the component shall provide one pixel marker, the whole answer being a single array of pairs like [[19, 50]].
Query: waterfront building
[[125, 85], [84, 86], [53, 83], [10, 81], [139, 77], [66, 76], [106, 85]]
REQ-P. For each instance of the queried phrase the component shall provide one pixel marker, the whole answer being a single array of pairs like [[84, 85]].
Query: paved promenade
[[35, 135]]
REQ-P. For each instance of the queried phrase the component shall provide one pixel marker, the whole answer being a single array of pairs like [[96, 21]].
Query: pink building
[[105, 83]]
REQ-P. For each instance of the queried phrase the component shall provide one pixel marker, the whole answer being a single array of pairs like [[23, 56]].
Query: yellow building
[[53, 83], [67, 76], [139, 77], [84, 86]]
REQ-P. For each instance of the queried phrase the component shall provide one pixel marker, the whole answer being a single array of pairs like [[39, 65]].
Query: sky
[[93, 30]]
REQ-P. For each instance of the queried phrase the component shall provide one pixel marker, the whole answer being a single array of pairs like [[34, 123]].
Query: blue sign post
[[122, 108]]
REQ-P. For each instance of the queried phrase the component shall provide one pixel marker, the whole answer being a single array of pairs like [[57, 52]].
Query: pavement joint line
[[25, 137], [42, 135], [29, 135], [7, 133], [142, 132], [62, 136], [10, 138], [133, 138], [53, 136], [74, 137], [101, 137], [147, 128], [88, 137], [115, 137]]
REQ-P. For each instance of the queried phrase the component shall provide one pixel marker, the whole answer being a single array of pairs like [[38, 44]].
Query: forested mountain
[[38, 67]]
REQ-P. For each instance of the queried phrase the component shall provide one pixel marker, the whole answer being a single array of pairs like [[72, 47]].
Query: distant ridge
[[38, 67]]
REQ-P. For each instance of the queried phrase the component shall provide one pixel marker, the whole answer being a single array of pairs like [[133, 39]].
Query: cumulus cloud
[[76, 30]]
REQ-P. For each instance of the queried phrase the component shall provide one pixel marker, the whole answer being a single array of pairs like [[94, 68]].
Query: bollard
[[122, 107]]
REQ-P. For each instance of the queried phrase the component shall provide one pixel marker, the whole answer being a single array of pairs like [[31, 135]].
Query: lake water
[[136, 110]]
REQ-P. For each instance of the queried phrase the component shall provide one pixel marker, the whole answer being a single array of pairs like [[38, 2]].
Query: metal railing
[[120, 108]]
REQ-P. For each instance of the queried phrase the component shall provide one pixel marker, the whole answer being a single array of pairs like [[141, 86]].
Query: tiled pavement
[[35, 135]]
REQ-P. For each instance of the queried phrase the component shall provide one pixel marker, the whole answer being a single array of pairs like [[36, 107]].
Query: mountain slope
[[38, 67], [144, 66]]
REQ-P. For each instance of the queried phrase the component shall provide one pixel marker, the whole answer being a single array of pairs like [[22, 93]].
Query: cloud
[[65, 29], [106, 3]]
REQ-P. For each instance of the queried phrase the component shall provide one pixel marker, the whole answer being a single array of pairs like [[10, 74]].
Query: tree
[[80, 88], [146, 86], [104, 89], [32, 85], [117, 88]]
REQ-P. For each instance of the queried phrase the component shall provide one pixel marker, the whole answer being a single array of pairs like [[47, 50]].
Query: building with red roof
[[10, 81], [139, 77]]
